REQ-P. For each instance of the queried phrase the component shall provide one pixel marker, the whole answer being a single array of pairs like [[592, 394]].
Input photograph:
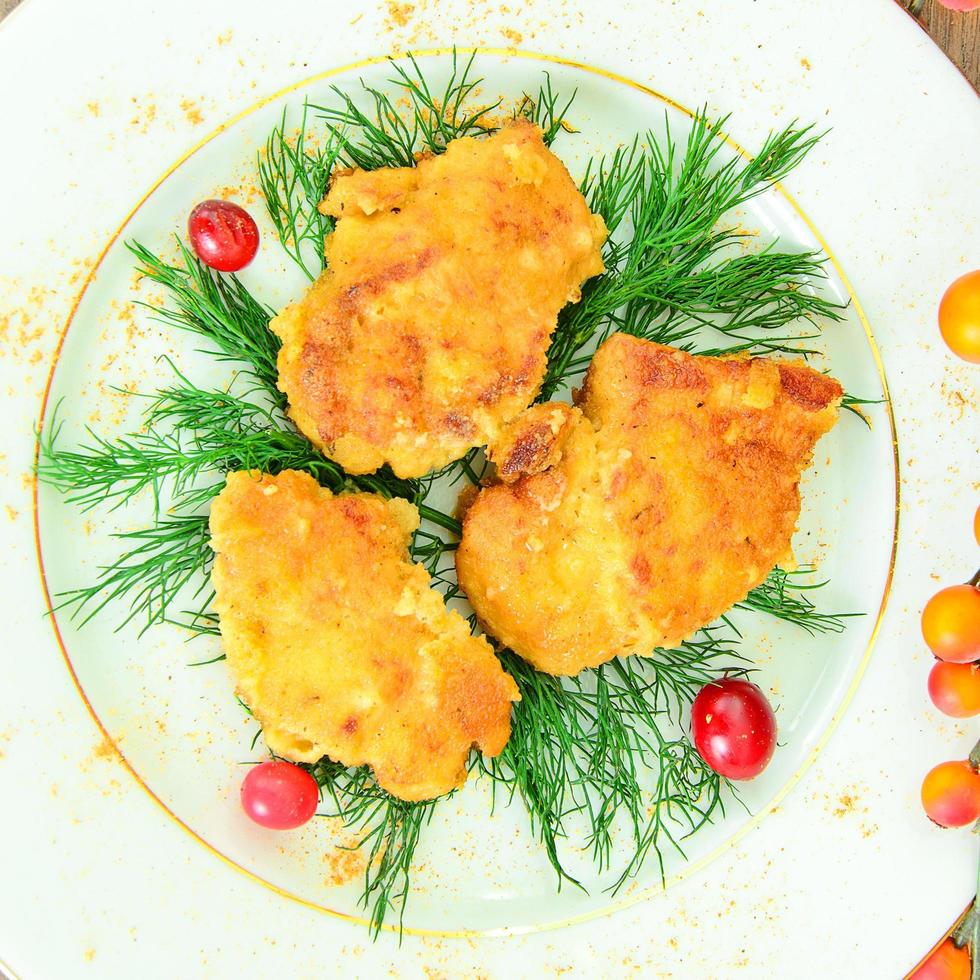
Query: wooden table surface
[[957, 34]]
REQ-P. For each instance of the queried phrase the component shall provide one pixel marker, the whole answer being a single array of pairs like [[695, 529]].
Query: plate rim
[[691, 867]]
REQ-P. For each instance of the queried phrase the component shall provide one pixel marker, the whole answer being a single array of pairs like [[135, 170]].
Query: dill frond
[[854, 405], [162, 560], [414, 119], [189, 435], [389, 830], [390, 136], [546, 112], [688, 793], [294, 174], [594, 744], [218, 308], [671, 275], [849, 401], [784, 595]]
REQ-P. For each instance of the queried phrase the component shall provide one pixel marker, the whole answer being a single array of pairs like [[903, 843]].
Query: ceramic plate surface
[[484, 896], [184, 734]]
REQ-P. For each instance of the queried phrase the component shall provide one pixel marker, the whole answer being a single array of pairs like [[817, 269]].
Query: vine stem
[[974, 937], [915, 7], [967, 933]]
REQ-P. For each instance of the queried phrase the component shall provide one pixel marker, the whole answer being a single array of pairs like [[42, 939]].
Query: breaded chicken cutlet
[[338, 644], [429, 329], [644, 513]]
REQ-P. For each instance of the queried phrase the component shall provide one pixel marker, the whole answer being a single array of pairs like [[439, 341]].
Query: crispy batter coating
[[429, 330], [337, 642], [643, 514]]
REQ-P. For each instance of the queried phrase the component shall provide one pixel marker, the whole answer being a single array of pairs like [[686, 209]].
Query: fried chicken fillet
[[337, 642], [644, 513], [430, 327]]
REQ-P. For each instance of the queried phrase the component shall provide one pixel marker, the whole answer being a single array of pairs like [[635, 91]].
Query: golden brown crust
[[337, 642], [675, 493], [430, 328], [533, 441]]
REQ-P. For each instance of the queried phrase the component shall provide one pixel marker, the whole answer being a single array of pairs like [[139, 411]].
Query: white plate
[[851, 504], [184, 735]]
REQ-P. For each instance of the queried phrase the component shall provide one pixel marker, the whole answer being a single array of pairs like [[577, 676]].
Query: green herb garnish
[[675, 273]]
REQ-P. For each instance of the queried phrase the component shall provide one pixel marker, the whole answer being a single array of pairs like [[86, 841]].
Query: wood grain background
[[957, 34]]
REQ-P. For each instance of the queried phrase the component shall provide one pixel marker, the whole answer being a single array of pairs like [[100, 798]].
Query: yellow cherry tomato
[[959, 317], [955, 689], [951, 624], [951, 794]]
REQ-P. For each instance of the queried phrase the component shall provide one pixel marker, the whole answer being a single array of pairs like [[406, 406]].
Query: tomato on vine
[[951, 794], [959, 316], [279, 795], [951, 623], [734, 728], [955, 689]]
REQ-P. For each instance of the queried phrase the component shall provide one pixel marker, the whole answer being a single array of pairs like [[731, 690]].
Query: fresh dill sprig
[[672, 274], [854, 405], [414, 118], [593, 743], [294, 173], [546, 111], [233, 433], [849, 401], [216, 307], [784, 595], [688, 794], [161, 561], [389, 135], [192, 434], [389, 830]]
